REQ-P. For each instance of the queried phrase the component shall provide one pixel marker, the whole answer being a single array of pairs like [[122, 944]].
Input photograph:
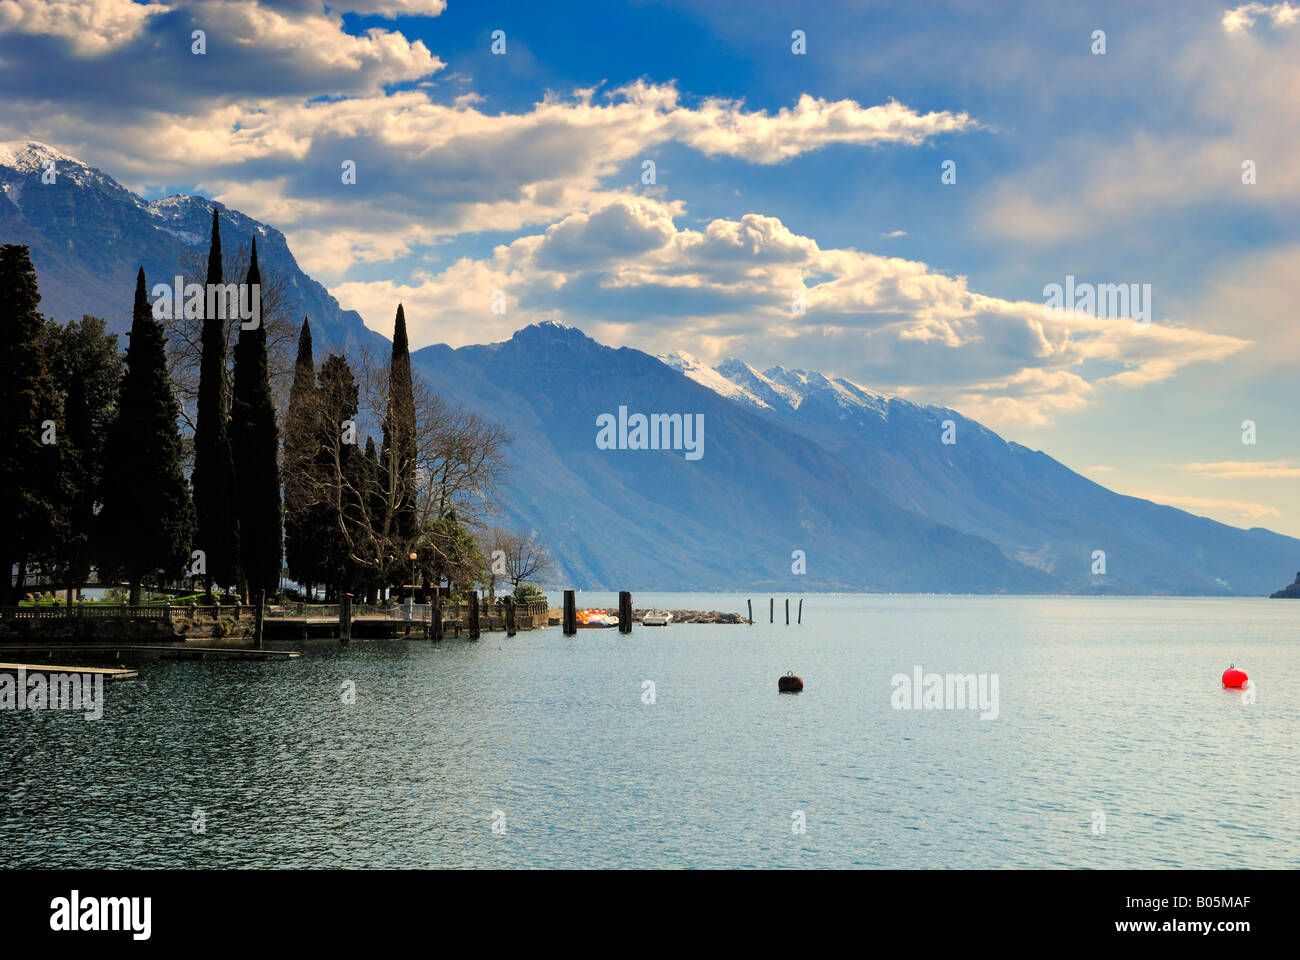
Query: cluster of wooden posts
[[431, 620], [570, 619], [771, 610], [434, 625]]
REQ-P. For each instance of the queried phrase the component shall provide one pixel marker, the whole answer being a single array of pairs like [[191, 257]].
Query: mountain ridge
[[858, 481], [1034, 507]]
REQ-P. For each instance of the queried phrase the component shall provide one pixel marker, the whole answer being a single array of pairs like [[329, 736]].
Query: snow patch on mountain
[[708, 377], [780, 388]]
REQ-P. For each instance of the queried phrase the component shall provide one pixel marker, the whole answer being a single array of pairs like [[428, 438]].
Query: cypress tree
[[301, 486], [32, 481], [397, 457], [254, 443], [147, 515], [213, 478], [83, 355]]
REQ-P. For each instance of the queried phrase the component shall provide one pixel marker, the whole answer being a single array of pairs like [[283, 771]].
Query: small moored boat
[[656, 618]]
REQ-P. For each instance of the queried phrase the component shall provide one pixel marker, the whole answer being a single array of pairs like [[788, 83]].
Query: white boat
[[656, 618]]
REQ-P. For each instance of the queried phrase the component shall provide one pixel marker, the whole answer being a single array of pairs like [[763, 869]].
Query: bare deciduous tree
[[459, 464], [522, 556]]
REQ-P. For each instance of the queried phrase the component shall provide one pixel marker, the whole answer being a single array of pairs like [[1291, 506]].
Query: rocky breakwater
[[688, 616]]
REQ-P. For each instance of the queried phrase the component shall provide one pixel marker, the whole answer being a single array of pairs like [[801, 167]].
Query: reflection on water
[[1106, 705]]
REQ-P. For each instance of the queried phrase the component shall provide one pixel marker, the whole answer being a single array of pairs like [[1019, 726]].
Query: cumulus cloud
[[285, 95], [395, 8], [256, 51], [90, 27], [1242, 18], [629, 273], [720, 126]]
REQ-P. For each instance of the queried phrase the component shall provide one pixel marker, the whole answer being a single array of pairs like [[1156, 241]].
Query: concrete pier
[[108, 673]]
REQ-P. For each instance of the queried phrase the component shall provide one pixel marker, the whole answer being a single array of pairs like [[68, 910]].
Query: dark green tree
[[254, 443], [85, 360], [302, 540], [398, 454], [148, 516], [213, 478], [33, 488], [453, 554]]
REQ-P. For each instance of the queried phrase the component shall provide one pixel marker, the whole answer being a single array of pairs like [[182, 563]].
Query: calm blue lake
[[1114, 746]]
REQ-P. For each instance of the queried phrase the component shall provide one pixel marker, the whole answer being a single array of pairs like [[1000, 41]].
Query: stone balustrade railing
[[128, 612]]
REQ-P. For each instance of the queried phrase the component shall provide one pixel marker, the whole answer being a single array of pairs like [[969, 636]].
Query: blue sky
[[774, 172]]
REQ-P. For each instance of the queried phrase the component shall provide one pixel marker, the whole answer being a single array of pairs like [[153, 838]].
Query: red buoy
[[1232, 677]]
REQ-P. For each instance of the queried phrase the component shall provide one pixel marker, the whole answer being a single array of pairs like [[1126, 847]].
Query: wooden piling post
[[345, 618], [787, 611], [570, 621], [473, 615], [800, 610], [750, 604], [512, 626], [257, 618], [771, 609], [625, 611]]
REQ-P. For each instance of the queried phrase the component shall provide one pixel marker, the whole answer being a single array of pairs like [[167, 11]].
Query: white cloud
[[1242, 18], [428, 170], [91, 27], [285, 49], [395, 8], [627, 273]]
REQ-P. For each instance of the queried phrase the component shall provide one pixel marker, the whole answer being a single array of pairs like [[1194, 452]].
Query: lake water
[[1107, 708]]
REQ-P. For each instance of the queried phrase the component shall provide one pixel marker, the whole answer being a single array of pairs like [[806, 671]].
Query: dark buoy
[[1232, 677], [789, 683]]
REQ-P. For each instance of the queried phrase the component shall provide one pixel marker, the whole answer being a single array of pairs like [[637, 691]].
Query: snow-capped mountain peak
[[780, 388], [708, 377]]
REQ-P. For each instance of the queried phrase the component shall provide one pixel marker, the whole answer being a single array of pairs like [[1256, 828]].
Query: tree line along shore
[[212, 458]]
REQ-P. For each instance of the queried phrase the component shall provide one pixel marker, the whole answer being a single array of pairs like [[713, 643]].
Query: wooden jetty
[[161, 651], [108, 673]]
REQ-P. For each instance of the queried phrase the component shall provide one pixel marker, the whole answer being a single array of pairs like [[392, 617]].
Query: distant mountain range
[[1035, 509], [792, 462]]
